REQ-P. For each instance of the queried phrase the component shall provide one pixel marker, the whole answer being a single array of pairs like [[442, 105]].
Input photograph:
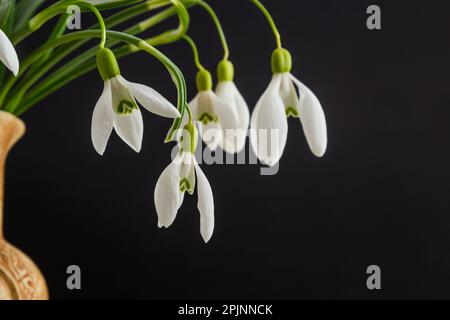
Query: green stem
[[269, 18], [142, 45], [117, 4], [194, 51], [19, 92], [99, 17], [47, 14], [71, 67], [71, 71], [217, 23]]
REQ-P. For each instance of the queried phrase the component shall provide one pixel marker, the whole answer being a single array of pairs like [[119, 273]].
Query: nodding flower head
[[117, 107], [286, 97], [213, 115], [181, 176]]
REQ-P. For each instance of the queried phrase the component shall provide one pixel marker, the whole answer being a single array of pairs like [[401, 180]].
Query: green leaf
[[111, 4], [24, 11], [6, 7]]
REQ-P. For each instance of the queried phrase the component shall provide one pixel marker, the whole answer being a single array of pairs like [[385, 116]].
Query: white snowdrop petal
[[167, 196], [150, 99], [8, 54], [102, 120], [313, 120], [269, 127], [211, 134], [205, 205], [234, 139], [130, 128], [226, 114], [289, 93]]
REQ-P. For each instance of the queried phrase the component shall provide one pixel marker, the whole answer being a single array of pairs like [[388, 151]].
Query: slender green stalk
[[194, 51], [99, 17], [269, 18], [217, 23]]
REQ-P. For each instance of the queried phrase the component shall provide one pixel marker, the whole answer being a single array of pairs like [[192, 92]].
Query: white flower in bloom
[[269, 125], [117, 108], [181, 176], [8, 54], [214, 116], [234, 140]]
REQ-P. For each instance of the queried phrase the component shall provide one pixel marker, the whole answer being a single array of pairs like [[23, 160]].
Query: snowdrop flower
[[8, 54], [212, 113], [269, 126], [117, 107], [233, 140], [180, 177]]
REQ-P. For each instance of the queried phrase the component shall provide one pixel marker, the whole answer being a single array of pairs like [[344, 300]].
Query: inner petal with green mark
[[122, 100], [206, 118], [292, 112], [185, 185], [187, 174], [126, 107]]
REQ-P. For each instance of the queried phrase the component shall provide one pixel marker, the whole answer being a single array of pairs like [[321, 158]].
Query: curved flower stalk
[[233, 140], [269, 126], [8, 54], [117, 107], [181, 176]]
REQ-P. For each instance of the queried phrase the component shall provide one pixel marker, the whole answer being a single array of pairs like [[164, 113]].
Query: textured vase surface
[[20, 278]]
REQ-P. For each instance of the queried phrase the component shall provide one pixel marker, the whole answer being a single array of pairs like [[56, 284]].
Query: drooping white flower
[[233, 140], [8, 54], [213, 115], [117, 107], [269, 125], [181, 176]]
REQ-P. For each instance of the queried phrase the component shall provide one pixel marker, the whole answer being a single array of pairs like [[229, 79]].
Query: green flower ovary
[[206, 118], [126, 107]]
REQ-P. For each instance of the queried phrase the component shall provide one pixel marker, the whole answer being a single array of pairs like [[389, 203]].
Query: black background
[[379, 196]]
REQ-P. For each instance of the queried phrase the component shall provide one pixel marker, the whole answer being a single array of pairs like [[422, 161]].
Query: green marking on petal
[[291, 112], [126, 107], [185, 186], [207, 118]]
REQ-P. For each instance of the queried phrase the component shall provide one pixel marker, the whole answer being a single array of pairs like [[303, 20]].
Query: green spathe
[[281, 61], [204, 80], [107, 64]]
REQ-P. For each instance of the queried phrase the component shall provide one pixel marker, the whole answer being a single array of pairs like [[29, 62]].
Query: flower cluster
[[220, 117]]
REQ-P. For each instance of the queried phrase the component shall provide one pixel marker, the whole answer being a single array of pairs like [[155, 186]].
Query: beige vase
[[20, 278]]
